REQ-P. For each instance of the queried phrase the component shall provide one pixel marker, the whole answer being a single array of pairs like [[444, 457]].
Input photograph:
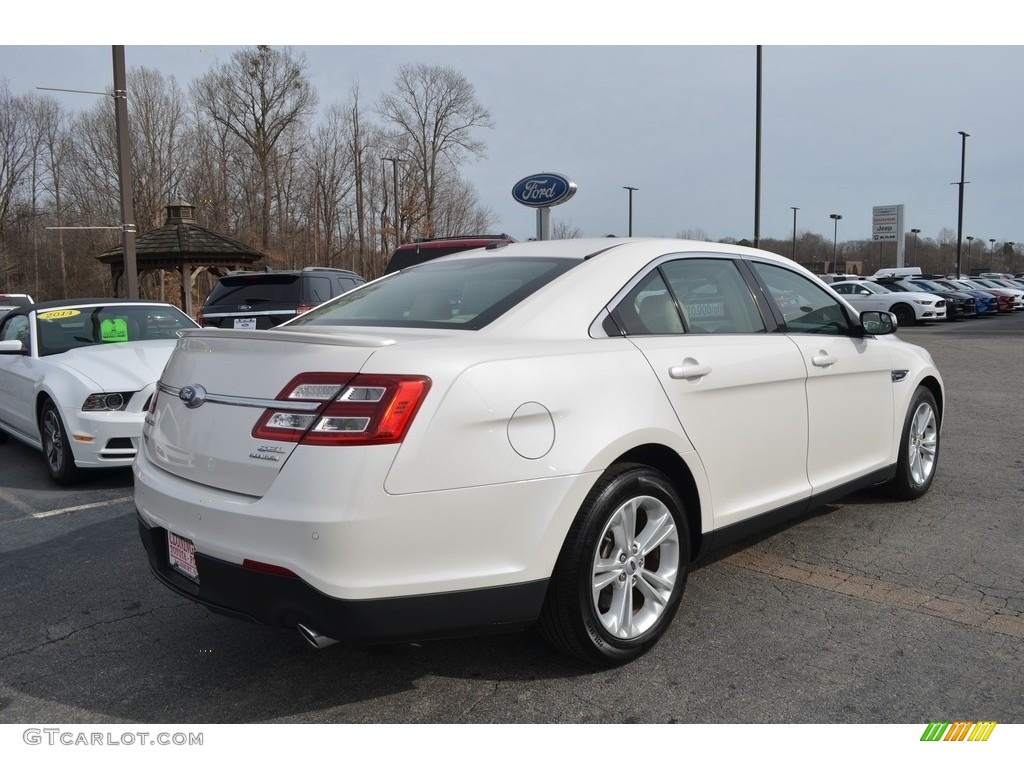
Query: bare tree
[[564, 229], [15, 165], [160, 143], [435, 114], [257, 96]]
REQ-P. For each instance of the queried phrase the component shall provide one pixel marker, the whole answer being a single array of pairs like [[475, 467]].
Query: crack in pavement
[[1004, 621]]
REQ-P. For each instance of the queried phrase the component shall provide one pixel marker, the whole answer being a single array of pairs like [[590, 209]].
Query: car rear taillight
[[363, 409], [303, 308]]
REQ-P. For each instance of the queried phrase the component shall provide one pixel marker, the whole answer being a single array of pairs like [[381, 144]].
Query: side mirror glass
[[878, 323]]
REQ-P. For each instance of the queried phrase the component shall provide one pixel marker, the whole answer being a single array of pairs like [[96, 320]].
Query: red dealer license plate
[[181, 554]]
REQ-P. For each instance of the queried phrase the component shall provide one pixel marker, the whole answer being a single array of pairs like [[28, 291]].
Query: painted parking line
[[9, 498], [1003, 621], [80, 507]]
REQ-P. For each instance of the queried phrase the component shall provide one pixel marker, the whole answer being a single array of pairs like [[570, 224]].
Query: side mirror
[[878, 323], [13, 347]]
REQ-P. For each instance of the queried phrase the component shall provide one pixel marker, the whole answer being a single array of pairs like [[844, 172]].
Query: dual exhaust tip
[[314, 638]]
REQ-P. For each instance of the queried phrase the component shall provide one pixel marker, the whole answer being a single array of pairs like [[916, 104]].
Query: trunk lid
[[218, 384]]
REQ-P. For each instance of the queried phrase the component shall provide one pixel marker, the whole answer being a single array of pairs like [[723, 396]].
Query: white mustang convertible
[[76, 377]]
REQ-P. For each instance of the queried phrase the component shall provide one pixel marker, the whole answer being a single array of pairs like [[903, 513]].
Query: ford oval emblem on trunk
[[542, 190], [192, 395]]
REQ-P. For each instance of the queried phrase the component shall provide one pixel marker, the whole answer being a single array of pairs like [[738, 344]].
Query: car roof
[[42, 306], [303, 271], [444, 242]]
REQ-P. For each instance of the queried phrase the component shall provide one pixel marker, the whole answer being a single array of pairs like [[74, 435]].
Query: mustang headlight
[[107, 401]]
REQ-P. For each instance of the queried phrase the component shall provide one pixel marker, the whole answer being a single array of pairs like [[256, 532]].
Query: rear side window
[[467, 295], [317, 290], [690, 296]]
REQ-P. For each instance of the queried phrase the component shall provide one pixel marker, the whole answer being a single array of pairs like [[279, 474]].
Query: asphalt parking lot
[[866, 611]]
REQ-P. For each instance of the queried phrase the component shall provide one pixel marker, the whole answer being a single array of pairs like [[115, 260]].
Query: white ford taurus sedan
[[76, 377], [543, 432]]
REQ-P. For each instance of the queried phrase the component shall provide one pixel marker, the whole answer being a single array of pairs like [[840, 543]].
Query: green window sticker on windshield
[[114, 329]]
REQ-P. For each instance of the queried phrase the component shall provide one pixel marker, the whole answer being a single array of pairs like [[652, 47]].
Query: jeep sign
[[543, 190]]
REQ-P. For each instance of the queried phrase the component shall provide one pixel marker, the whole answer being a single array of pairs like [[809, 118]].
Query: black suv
[[420, 251], [259, 300]]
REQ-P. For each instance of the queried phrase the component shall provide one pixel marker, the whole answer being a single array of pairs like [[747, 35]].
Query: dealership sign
[[543, 190], [887, 222]]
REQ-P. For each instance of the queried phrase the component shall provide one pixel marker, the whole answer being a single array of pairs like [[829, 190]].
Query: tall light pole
[[835, 237], [970, 242], [631, 191], [960, 206], [795, 209], [992, 252], [916, 232], [1012, 254], [394, 180], [757, 156]]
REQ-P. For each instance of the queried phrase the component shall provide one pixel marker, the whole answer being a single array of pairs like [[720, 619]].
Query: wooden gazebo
[[185, 247]]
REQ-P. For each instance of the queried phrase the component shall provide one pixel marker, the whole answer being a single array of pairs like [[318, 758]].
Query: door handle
[[689, 371], [823, 360]]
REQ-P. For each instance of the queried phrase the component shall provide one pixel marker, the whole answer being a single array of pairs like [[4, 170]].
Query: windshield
[[468, 293], [71, 327]]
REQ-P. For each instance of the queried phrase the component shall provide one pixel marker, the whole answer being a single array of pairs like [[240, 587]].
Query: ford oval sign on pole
[[542, 191]]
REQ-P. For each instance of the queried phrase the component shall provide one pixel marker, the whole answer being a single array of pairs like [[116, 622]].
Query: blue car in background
[[975, 304]]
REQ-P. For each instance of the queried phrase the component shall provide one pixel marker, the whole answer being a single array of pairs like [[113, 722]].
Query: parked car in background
[[10, 301], [969, 305], [959, 305], [258, 300], [411, 254], [551, 432], [1004, 301], [910, 308], [76, 377], [994, 282]]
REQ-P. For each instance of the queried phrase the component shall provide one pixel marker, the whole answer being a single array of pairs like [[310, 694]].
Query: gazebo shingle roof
[[182, 245]]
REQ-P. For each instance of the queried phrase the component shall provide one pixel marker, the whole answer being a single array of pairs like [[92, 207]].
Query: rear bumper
[[284, 601]]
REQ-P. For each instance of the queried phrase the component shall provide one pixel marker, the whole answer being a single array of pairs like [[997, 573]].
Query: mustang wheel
[[59, 461], [919, 448], [905, 316], [621, 573]]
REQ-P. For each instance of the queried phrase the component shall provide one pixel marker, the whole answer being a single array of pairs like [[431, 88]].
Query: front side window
[[805, 306], [15, 329]]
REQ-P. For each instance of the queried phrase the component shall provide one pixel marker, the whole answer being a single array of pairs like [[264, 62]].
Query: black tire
[[905, 316], [642, 585], [60, 462], [919, 448]]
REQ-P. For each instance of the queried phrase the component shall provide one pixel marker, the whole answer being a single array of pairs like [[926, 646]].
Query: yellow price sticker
[[56, 314]]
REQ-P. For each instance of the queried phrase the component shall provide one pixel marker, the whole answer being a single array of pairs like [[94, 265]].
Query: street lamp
[[795, 209], [835, 237], [916, 232], [970, 242], [631, 191], [960, 205], [1012, 254]]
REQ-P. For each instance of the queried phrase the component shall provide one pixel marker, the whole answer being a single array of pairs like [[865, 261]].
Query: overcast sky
[[844, 127]]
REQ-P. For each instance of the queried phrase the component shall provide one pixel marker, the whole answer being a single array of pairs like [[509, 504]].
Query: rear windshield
[[463, 294], [256, 288]]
